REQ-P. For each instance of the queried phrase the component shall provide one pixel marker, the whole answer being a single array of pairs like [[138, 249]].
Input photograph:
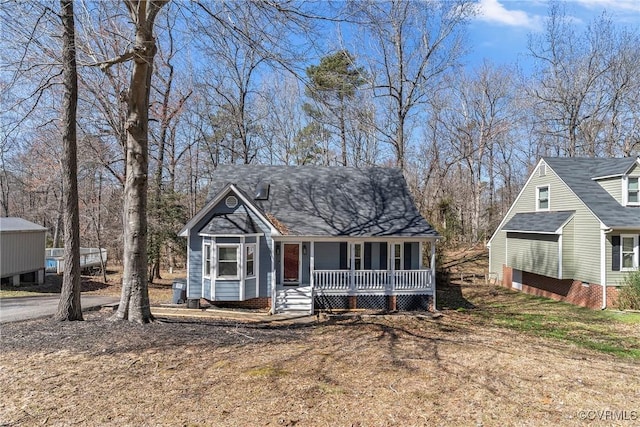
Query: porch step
[[293, 300]]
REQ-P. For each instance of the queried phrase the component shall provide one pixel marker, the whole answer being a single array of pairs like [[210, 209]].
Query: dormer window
[[633, 191], [542, 198]]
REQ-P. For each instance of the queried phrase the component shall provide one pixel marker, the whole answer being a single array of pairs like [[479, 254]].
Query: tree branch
[[105, 65]]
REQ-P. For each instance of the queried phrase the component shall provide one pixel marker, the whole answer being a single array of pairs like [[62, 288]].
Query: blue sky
[[501, 29]]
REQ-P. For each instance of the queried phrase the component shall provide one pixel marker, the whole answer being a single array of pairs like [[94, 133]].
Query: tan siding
[[568, 254], [535, 253], [635, 170], [497, 258], [586, 226], [613, 186], [21, 252]]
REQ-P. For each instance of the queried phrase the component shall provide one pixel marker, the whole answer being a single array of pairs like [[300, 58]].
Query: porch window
[[633, 191], [629, 252], [228, 261], [357, 256], [398, 256], [542, 198], [250, 259], [206, 265]]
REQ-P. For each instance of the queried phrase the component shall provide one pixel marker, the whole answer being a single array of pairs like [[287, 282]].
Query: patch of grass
[[14, 293], [267, 371], [603, 331], [624, 316]]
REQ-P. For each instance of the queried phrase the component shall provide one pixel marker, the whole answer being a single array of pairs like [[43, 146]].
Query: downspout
[[273, 276], [603, 264]]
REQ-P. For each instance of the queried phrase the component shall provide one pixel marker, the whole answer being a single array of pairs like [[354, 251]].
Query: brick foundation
[[572, 291]]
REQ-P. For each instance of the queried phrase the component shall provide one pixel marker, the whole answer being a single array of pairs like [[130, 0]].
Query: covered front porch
[[334, 269]]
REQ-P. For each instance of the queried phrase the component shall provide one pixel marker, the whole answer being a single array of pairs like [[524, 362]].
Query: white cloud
[[493, 12], [612, 5]]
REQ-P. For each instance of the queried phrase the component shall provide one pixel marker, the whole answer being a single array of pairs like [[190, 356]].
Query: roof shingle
[[330, 201]]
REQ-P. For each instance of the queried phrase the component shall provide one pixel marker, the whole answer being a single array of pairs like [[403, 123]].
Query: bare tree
[[134, 301], [69, 307], [584, 86], [413, 45]]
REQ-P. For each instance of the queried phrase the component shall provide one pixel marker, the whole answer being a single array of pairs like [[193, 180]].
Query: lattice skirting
[[374, 302], [331, 302], [413, 302]]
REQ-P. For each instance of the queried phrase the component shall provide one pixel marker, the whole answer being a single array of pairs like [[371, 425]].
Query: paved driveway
[[23, 308]]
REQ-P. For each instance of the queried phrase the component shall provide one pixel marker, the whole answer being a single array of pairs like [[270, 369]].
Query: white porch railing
[[372, 280]]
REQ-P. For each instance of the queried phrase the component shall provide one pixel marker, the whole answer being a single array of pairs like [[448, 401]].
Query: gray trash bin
[[179, 291]]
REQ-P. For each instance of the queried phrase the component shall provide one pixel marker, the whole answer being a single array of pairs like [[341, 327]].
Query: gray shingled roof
[[18, 224], [578, 174], [233, 223], [330, 201], [537, 222]]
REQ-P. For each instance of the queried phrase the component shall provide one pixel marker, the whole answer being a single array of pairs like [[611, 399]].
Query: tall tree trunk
[[69, 307], [134, 301]]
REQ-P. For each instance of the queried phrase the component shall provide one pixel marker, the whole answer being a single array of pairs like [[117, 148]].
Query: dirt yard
[[494, 358], [394, 370]]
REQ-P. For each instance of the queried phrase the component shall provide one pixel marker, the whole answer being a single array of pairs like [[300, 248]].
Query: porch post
[[392, 264], [353, 267], [312, 267], [272, 273], [420, 255], [433, 271], [241, 263]]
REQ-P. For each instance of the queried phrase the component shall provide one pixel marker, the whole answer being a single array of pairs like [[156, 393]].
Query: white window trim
[[354, 255], [538, 188], [395, 256], [238, 261], [246, 259], [207, 274], [625, 191], [636, 249]]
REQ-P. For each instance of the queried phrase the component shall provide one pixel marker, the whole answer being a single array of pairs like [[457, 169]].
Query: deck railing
[[372, 280]]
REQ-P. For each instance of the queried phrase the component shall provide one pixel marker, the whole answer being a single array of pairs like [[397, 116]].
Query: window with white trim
[[249, 260], [206, 265], [398, 256], [227, 261], [628, 252], [542, 198], [633, 191], [357, 256]]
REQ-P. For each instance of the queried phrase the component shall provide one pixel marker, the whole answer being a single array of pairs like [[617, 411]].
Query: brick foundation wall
[[572, 291], [253, 303], [507, 277]]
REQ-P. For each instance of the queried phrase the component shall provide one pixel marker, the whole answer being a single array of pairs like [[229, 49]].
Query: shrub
[[629, 294]]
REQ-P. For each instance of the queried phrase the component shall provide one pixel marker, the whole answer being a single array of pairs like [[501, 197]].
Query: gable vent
[[231, 202], [542, 170], [262, 191]]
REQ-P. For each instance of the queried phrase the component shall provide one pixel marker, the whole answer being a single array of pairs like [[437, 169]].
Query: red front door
[[291, 261]]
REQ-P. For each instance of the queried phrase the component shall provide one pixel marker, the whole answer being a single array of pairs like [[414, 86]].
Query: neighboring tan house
[[308, 237], [573, 232], [22, 246]]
